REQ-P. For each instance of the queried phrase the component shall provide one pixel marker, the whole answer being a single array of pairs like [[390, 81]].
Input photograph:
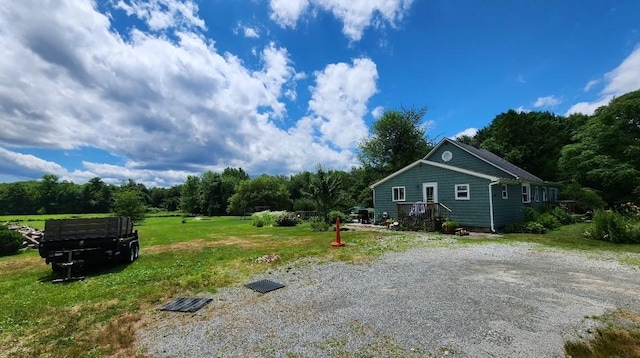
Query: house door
[[430, 192]]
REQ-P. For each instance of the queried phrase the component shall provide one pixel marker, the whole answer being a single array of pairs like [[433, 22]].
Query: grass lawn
[[97, 317]]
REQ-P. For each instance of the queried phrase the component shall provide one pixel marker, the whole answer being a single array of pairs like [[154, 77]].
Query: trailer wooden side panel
[[78, 229]]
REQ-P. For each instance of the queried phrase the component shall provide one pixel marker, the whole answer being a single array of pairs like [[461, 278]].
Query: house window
[[398, 193], [536, 194], [462, 192], [505, 191], [544, 195], [526, 193]]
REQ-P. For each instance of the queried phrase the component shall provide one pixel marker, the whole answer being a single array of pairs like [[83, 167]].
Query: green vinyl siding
[[473, 212], [507, 211], [463, 159]]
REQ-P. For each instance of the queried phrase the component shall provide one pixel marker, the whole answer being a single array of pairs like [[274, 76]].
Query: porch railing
[[424, 211]]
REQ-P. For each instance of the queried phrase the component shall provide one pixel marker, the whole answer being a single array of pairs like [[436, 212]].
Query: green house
[[471, 186]]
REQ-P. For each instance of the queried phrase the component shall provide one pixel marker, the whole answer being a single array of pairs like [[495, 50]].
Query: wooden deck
[[426, 216]]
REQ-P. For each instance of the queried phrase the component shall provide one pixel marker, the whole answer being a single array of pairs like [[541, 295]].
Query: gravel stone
[[451, 300]]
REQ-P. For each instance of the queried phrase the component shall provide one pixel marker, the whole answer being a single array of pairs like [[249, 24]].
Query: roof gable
[[439, 165], [510, 169]]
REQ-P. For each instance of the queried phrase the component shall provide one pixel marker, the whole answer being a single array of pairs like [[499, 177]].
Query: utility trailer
[[70, 243]]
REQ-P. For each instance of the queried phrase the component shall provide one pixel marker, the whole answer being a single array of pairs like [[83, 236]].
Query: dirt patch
[[195, 245]]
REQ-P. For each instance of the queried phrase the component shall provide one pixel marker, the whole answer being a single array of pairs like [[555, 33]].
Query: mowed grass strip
[[98, 316]]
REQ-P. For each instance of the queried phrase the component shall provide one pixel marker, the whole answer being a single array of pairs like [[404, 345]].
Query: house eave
[[438, 165]]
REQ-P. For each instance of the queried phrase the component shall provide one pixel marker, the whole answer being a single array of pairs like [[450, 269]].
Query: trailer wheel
[[137, 251]]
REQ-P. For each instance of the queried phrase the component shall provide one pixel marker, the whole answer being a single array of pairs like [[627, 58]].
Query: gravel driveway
[[488, 300]]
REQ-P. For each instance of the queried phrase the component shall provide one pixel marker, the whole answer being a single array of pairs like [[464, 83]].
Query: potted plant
[[449, 226]]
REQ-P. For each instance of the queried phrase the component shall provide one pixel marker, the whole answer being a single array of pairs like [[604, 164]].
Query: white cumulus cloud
[[355, 16], [548, 101], [340, 99], [467, 132], [165, 100], [622, 79], [286, 12]]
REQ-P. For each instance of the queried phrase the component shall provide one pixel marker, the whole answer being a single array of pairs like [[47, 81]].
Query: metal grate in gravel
[[185, 304], [264, 286]]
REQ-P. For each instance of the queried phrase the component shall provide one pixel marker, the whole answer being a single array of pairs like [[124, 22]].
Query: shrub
[[531, 227], [534, 228], [531, 214], [563, 215], [10, 242], [264, 218], [548, 221], [287, 219], [517, 227], [614, 227], [344, 218], [318, 224], [586, 199]]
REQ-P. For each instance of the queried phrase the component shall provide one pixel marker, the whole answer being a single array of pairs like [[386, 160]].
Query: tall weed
[[614, 227]]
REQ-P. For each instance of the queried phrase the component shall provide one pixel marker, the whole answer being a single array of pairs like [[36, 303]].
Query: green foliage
[[606, 152], [530, 140], [531, 227], [318, 223], [264, 218], [129, 203], [344, 218], [324, 190], [287, 219], [562, 215], [548, 221], [531, 214], [449, 225], [586, 199], [263, 191], [613, 227], [397, 140], [304, 204], [10, 241]]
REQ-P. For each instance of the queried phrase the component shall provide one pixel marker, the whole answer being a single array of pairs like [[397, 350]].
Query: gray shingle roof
[[497, 161]]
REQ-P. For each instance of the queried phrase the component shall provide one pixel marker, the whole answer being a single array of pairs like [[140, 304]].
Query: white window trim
[[468, 191], [526, 192], [400, 198], [505, 192], [536, 194], [545, 198]]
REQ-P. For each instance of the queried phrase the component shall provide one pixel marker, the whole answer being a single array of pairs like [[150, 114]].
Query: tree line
[[596, 157]]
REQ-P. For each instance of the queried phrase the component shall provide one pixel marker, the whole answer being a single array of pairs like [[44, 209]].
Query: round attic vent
[[446, 156]]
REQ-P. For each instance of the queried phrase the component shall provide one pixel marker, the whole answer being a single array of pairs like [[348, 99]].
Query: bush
[[10, 242], [586, 199], [517, 227], [563, 215], [318, 224], [287, 219], [531, 214], [344, 218], [534, 228], [614, 227], [548, 221], [264, 218], [531, 227]]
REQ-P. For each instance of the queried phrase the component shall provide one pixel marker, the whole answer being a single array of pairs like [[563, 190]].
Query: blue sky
[[158, 90]]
